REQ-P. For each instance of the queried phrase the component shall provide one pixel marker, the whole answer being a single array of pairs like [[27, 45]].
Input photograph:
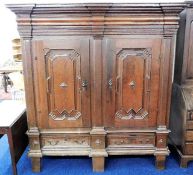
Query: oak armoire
[[181, 117], [98, 78]]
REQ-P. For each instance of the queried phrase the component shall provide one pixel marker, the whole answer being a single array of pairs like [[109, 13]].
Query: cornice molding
[[39, 20]]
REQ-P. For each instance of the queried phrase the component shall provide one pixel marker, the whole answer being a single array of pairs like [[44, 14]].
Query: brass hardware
[[63, 85], [48, 84], [79, 83], [110, 83], [84, 84], [132, 84], [161, 141], [117, 84], [98, 142]]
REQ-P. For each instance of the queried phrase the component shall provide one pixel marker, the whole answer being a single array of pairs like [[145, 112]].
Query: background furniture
[[98, 78], [181, 120], [17, 49], [5, 71], [14, 123]]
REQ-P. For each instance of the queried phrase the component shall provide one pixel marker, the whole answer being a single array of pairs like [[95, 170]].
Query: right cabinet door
[[131, 82]]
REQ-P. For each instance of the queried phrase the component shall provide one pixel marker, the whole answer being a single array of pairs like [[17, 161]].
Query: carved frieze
[[131, 140], [67, 141]]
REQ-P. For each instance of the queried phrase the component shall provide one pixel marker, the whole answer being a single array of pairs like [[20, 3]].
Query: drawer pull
[[63, 85], [98, 142], [84, 84], [161, 141]]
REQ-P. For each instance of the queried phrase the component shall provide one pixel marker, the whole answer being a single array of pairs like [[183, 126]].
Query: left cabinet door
[[62, 82]]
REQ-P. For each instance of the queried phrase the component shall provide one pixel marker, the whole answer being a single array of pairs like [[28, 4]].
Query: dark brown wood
[[36, 164], [99, 78], [181, 122], [98, 164]]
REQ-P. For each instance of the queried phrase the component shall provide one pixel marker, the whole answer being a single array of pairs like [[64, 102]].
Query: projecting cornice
[[41, 20]]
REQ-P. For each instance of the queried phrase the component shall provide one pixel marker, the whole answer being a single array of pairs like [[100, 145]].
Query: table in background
[[13, 122]]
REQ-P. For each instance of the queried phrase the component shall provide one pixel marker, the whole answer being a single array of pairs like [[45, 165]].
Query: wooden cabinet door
[[131, 82], [61, 73]]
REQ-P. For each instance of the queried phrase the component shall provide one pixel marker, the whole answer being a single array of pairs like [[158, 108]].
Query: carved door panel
[[131, 82], [62, 69]]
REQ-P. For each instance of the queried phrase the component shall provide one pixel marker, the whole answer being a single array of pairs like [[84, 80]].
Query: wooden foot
[[184, 162], [36, 164], [160, 162], [98, 164]]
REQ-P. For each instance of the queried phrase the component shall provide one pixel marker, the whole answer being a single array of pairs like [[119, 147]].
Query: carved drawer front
[[189, 135], [131, 139], [66, 141], [189, 148], [189, 124]]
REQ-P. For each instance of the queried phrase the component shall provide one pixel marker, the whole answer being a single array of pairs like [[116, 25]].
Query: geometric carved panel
[[63, 76], [132, 83]]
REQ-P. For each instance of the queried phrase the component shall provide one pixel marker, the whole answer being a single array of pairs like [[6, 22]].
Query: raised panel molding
[[74, 58], [139, 112]]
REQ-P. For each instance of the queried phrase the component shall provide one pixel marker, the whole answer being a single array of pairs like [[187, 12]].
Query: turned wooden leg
[[98, 164], [183, 162], [36, 164], [160, 162]]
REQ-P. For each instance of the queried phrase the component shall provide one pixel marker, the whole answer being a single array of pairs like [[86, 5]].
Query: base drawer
[[67, 140], [137, 139], [189, 148], [189, 124], [189, 136]]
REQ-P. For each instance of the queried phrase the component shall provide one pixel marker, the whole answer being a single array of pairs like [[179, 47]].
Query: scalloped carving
[[131, 114], [145, 53], [72, 115], [84, 141]]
